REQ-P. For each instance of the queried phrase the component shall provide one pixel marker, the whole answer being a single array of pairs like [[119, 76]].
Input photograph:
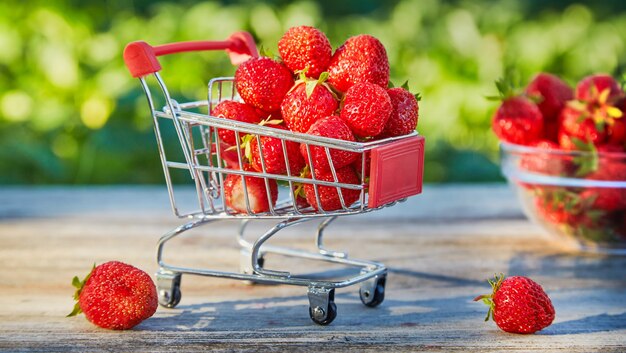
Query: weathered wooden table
[[440, 247]]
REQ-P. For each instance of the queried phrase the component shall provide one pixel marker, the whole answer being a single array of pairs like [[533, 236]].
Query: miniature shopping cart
[[395, 172]]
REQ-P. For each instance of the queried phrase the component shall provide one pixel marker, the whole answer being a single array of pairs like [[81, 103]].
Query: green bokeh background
[[71, 114]]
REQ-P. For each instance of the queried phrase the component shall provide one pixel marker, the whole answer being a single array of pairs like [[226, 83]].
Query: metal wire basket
[[391, 170]]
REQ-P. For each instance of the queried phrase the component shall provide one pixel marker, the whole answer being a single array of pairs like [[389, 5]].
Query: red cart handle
[[141, 58]]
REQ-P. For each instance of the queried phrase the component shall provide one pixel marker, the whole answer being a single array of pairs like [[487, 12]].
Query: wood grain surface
[[440, 248]]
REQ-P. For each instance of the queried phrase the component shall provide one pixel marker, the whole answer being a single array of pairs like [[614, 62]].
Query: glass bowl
[[578, 197]]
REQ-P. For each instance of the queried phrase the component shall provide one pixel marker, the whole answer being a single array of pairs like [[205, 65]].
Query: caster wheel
[[170, 299], [323, 317], [168, 288], [322, 308], [372, 293]]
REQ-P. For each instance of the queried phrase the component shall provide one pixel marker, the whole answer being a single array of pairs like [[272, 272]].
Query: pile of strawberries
[[343, 95], [552, 116]]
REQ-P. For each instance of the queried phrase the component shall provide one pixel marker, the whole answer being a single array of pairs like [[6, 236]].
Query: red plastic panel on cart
[[396, 171]]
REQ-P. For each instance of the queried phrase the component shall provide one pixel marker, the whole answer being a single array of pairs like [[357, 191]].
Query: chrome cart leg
[[322, 308], [167, 281], [372, 291], [245, 264], [320, 243], [168, 288]]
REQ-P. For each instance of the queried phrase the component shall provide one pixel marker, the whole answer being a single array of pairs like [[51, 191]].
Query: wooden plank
[[438, 263]]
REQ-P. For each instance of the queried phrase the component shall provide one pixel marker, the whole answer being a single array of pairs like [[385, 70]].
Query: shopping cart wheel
[[372, 291], [168, 288], [322, 308]]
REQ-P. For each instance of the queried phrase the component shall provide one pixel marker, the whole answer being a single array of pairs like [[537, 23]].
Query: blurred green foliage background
[[71, 114]]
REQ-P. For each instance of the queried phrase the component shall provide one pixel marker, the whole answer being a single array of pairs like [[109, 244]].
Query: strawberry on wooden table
[[115, 295], [305, 48], [518, 304]]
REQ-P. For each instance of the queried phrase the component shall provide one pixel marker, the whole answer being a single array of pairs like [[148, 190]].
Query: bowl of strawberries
[[563, 150]]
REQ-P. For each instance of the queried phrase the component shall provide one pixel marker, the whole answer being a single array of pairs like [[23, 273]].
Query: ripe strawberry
[[273, 154], [359, 168], [115, 295], [305, 47], [544, 163], [557, 205], [263, 83], [551, 94], [328, 195], [610, 168], [332, 127], [589, 88], [518, 120], [306, 103], [404, 113], [617, 133], [366, 109], [255, 188], [518, 305], [361, 58], [598, 123], [234, 111], [576, 123]]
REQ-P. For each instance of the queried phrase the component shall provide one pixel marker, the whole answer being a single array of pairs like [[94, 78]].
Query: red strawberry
[[305, 47], [263, 83], [551, 94], [617, 133], [306, 103], [518, 120], [234, 111], [557, 205], [544, 163], [366, 109], [590, 88], [328, 195], [361, 58], [359, 168], [610, 168], [115, 296], [518, 305], [258, 200], [332, 127], [404, 113], [577, 123], [597, 123], [274, 155]]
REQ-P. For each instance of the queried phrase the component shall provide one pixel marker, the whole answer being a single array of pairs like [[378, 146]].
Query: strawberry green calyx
[[487, 299], [405, 85], [508, 86], [246, 140], [76, 282], [311, 83]]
